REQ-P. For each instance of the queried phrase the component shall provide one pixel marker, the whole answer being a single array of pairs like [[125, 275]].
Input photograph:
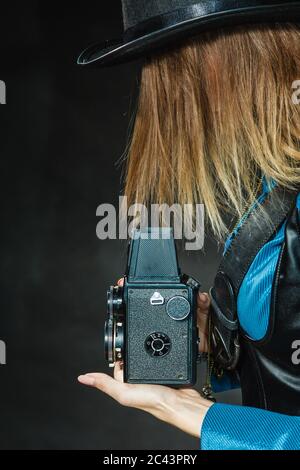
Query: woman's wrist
[[187, 411]]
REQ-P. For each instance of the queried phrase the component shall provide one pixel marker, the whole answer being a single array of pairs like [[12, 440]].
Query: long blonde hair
[[213, 116]]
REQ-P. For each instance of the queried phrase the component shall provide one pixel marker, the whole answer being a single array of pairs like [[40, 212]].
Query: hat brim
[[119, 51]]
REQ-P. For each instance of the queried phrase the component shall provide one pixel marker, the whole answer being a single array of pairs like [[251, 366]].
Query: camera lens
[[119, 341], [113, 330], [113, 341], [108, 340], [115, 300]]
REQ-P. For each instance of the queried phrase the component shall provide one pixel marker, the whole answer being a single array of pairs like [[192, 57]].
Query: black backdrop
[[63, 130]]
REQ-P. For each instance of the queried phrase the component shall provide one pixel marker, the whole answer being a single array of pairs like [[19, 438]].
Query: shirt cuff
[[229, 427]]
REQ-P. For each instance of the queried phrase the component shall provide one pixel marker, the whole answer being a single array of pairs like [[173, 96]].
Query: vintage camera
[[152, 324]]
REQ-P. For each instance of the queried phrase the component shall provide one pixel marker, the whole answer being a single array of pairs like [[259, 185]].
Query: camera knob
[[158, 344], [178, 308]]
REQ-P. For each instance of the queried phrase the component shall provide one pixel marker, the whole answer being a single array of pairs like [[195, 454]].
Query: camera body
[[152, 320]]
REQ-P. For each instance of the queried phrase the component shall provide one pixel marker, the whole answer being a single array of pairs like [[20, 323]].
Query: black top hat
[[151, 24]]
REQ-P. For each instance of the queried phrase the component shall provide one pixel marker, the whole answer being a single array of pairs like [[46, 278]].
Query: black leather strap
[[231, 325], [254, 233], [256, 230]]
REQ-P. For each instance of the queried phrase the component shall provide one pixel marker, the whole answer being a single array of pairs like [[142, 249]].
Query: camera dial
[[178, 308], [158, 344]]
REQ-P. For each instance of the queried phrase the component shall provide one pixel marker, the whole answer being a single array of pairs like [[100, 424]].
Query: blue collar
[[267, 186]]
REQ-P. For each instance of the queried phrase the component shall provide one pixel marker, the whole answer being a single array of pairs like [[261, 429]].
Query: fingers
[[105, 383], [203, 302], [118, 372]]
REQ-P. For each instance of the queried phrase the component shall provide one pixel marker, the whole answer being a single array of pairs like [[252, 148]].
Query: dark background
[[63, 131]]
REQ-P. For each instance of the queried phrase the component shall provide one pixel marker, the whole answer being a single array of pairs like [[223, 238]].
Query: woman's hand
[[203, 304], [183, 408]]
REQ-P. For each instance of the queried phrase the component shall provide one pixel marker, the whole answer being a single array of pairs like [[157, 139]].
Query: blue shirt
[[228, 427]]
